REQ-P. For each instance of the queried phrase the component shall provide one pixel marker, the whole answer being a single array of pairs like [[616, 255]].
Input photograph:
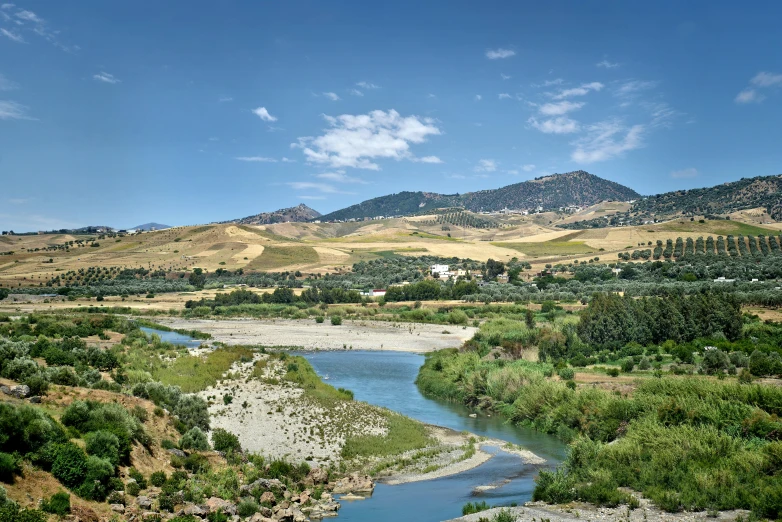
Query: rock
[[304, 497], [284, 515], [263, 485], [260, 518], [144, 502], [316, 476], [21, 391], [118, 508], [287, 495], [150, 515], [216, 504], [267, 512], [177, 452], [351, 496], [194, 510], [35, 399], [5, 389], [268, 496], [354, 483]]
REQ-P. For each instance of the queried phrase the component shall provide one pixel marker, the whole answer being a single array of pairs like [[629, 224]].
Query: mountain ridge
[[300, 212]]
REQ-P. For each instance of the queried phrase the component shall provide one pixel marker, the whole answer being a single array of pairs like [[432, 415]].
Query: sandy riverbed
[[309, 335]]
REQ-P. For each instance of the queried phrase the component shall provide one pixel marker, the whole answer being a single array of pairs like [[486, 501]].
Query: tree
[[197, 278], [494, 268]]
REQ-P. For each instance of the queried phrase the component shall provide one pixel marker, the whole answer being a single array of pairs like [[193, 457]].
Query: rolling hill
[[550, 192], [300, 212]]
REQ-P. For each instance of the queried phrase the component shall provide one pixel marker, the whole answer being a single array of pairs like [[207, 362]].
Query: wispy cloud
[[331, 96], [559, 125], [29, 16], [19, 201], [428, 159], [256, 159], [359, 140], [367, 85], [632, 87], [16, 37], [606, 140], [10, 110], [498, 54], [504, 96], [607, 64], [584, 89], [557, 81], [761, 80], [7, 6], [312, 197], [263, 114], [321, 187], [684, 173], [287, 160], [356, 92], [106, 78], [528, 168], [486, 165], [225, 99], [505, 76], [560, 108], [340, 177], [478, 97], [6, 84]]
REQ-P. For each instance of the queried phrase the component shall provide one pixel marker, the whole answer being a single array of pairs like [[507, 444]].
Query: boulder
[[118, 508], [20, 391], [177, 452], [262, 485], [316, 476], [268, 496], [5, 389], [354, 483], [215, 504], [194, 510], [144, 502], [35, 399], [260, 518]]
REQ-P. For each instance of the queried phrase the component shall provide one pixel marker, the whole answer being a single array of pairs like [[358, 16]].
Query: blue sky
[[191, 112]]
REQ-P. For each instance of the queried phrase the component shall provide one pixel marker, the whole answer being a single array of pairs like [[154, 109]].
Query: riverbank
[[306, 334]]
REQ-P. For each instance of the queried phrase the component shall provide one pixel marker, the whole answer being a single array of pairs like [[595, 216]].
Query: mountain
[[550, 192], [300, 212], [150, 226], [762, 191]]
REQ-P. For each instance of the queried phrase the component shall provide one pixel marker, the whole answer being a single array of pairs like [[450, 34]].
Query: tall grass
[[195, 373]]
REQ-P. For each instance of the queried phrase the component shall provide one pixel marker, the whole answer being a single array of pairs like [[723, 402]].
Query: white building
[[439, 269]]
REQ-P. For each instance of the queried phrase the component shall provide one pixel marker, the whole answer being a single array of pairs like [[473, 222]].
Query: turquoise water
[[388, 379], [173, 337]]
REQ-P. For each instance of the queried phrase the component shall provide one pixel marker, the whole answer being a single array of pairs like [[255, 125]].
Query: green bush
[[247, 508], [38, 384], [132, 488], [194, 439], [70, 465], [628, 365], [319, 319], [336, 320], [58, 504], [225, 441], [158, 478], [196, 463], [11, 512], [475, 507], [138, 477], [103, 444], [96, 482], [566, 374], [9, 466]]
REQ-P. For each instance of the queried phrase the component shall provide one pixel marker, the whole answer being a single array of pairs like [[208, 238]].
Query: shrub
[[103, 444], [11, 512], [470, 507], [225, 441], [247, 508], [644, 364], [96, 481], [196, 463], [158, 478], [612, 372], [9, 466], [194, 439], [566, 374], [70, 465], [58, 504], [132, 488], [38, 384], [336, 320], [628, 365], [138, 477], [319, 319]]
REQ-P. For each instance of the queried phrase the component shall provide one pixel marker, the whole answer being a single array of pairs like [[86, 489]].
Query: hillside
[[762, 191], [298, 213], [551, 192]]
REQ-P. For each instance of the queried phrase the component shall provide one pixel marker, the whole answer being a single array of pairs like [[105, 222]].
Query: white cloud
[[505, 76], [684, 173], [486, 165], [749, 96], [607, 64], [29, 16], [478, 97], [767, 79], [606, 140], [16, 37], [559, 125], [528, 168], [10, 110], [312, 197], [578, 91], [357, 140], [427, 159], [225, 99], [106, 78], [662, 114], [367, 85], [287, 160], [504, 96], [321, 187], [630, 87], [356, 92], [430, 96], [340, 177], [558, 109], [263, 114], [256, 159], [6, 84], [496, 54], [549, 83], [7, 6], [331, 96]]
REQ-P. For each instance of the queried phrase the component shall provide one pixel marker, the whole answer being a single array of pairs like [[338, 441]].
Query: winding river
[[387, 379]]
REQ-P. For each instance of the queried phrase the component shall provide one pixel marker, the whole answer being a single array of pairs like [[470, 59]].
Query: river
[[387, 379]]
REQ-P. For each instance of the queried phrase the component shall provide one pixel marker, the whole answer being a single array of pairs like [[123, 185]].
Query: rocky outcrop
[[354, 483], [19, 391]]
